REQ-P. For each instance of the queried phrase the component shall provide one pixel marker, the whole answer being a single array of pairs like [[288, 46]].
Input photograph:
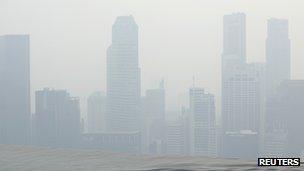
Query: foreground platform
[[18, 158]]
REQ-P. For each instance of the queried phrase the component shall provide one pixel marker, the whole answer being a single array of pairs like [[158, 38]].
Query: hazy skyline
[[177, 39]]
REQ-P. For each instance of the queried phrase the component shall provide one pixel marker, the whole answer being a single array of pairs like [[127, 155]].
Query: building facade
[[243, 84], [202, 123], [284, 116], [123, 77], [15, 116], [277, 54], [154, 120], [96, 112], [57, 119]]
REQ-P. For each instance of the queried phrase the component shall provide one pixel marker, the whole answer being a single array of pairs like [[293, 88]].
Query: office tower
[[243, 93], [96, 112], [243, 98], [155, 102], [202, 123], [242, 83], [15, 113], [233, 57], [275, 141], [154, 119], [234, 43], [57, 118], [277, 54], [176, 137], [285, 115], [123, 77]]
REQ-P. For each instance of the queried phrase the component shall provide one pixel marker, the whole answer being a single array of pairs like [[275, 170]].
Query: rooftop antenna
[[162, 84]]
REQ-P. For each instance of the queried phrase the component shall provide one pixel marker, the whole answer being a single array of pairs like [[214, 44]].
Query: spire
[[162, 84]]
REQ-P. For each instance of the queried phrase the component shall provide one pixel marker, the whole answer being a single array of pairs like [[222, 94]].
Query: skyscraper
[[202, 123], [57, 119], [277, 54], [285, 116], [233, 57], [123, 77], [243, 98], [176, 137], [154, 119], [155, 103], [15, 89], [242, 83], [96, 105], [234, 43]]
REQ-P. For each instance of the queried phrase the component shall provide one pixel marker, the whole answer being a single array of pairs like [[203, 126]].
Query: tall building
[[15, 116], [154, 119], [57, 119], [243, 93], [202, 123], [277, 54], [242, 83], [96, 112], [176, 137], [284, 119], [233, 57], [234, 43], [123, 77], [243, 98], [155, 102]]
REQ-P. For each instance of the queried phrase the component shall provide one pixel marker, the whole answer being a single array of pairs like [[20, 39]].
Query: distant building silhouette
[[278, 68], [242, 83], [15, 113], [96, 112], [243, 98], [284, 120], [176, 137], [57, 119], [202, 123], [234, 42], [123, 77], [233, 57], [154, 120], [277, 54]]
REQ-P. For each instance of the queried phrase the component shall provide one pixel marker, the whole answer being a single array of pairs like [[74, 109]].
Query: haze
[[178, 39]]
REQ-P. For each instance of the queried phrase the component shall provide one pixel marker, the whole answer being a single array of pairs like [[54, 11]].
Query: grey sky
[[178, 39]]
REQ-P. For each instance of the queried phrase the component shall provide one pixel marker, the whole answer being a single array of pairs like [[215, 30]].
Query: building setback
[[243, 84]]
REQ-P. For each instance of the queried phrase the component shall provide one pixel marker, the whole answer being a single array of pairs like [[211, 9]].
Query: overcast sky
[[178, 39]]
